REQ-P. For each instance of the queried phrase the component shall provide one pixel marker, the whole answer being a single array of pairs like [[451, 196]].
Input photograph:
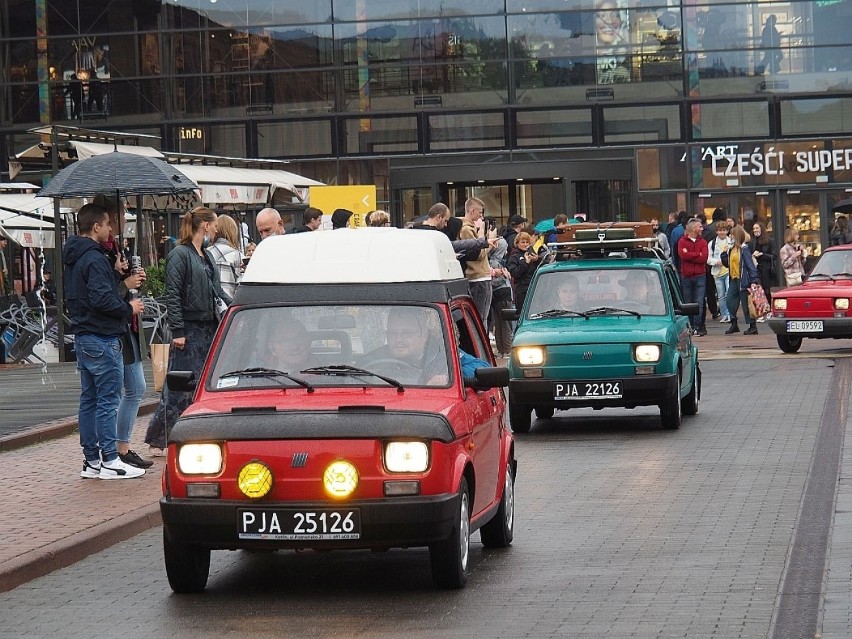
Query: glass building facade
[[621, 109]]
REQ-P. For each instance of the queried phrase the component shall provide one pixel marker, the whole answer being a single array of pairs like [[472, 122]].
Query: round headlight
[[647, 352], [779, 303], [255, 480], [340, 479], [530, 355]]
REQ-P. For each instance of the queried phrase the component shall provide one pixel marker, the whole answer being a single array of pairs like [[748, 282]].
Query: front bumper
[[645, 390], [385, 523], [831, 326]]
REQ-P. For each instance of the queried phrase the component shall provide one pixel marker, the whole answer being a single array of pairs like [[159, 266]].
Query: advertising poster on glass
[[612, 42]]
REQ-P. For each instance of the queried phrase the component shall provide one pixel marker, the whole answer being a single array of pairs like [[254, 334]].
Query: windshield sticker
[[228, 382]]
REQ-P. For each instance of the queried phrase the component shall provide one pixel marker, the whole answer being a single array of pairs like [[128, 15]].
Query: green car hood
[[600, 329]]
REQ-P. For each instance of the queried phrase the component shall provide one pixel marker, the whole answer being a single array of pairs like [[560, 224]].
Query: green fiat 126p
[[604, 325]]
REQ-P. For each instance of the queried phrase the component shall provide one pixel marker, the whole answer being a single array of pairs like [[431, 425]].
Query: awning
[[26, 231], [28, 204], [229, 185], [88, 149]]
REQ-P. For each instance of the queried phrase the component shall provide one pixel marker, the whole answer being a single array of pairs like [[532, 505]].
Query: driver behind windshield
[[289, 349], [409, 354], [568, 294]]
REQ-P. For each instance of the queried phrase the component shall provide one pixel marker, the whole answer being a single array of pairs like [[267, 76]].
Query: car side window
[[469, 339], [674, 288]]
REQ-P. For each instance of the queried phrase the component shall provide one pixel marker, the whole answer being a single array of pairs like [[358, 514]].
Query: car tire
[[670, 410], [520, 417], [450, 557], [187, 567], [689, 405], [500, 530], [789, 344], [544, 412]]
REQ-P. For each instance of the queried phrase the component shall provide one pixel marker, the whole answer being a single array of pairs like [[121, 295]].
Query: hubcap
[[509, 496], [464, 531]]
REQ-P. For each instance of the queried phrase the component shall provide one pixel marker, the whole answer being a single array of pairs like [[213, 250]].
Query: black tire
[[520, 417], [187, 567], [689, 405], [500, 530], [450, 558], [670, 410], [544, 412], [789, 344]]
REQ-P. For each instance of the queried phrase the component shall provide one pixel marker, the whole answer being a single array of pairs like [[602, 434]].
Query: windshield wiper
[[612, 309], [557, 312], [345, 369], [271, 373]]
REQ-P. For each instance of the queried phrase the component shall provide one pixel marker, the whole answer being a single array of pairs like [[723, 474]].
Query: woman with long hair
[[792, 257], [763, 253], [192, 286], [225, 254], [742, 273]]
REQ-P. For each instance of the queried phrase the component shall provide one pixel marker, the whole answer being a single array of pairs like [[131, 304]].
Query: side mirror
[[181, 381], [488, 377], [688, 309], [509, 314]]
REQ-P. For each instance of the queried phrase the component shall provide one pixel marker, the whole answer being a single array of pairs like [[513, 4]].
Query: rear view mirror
[[509, 314], [688, 309], [181, 380]]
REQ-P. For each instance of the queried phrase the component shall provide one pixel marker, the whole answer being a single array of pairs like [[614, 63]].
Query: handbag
[[793, 279], [159, 364], [757, 301]]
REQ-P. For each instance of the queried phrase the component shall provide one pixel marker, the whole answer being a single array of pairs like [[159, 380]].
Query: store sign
[[233, 194], [728, 161]]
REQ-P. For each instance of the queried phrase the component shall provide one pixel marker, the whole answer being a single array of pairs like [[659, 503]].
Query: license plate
[[302, 525], [804, 326], [587, 390]]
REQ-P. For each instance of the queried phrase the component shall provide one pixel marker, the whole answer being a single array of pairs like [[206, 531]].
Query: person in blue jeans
[[99, 318]]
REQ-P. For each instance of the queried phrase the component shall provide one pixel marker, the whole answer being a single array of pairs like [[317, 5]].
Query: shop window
[[381, 135], [642, 124], [730, 120], [301, 138], [822, 116], [553, 128], [466, 130]]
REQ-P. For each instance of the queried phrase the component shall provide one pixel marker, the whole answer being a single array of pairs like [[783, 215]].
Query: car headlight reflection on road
[[530, 355], [200, 459], [647, 353], [406, 457]]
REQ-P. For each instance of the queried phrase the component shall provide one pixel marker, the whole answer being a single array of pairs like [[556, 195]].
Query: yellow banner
[[360, 199]]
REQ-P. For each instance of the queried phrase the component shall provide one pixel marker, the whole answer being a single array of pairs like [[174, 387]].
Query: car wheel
[[520, 416], [187, 567], [689, 406], [789, 344], [450, 557], [670, 410], [499, 532], [544, 412]]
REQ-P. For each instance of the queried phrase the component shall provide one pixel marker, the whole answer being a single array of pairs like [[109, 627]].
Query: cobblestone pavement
[[623, 530]]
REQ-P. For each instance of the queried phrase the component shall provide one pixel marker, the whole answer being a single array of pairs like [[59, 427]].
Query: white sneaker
[[762, 318], [90, 471], [117, 469], [725, 320]]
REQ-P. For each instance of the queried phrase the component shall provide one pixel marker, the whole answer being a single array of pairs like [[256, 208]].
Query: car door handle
[[494, 401]]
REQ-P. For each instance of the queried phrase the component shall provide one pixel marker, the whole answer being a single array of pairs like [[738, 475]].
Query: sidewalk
[[51, 518]]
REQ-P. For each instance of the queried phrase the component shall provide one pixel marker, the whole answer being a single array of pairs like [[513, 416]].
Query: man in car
[[639, 291], [289, 349], [410, 353]]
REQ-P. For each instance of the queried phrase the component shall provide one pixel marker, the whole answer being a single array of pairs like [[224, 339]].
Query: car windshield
[[332, 345], [833, 264], [578, 291]]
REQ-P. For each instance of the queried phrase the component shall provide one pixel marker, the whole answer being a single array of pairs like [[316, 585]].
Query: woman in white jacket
[[225, 254], [716, 247]]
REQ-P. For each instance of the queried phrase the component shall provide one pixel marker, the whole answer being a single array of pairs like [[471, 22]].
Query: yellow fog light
[[841, 304], [530, 355], [340, 479], [779, 303], [255, 480]]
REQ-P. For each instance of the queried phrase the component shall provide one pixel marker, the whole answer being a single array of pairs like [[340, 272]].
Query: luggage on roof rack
[[611, 239]]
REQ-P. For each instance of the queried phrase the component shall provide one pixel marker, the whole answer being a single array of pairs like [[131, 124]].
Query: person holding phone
[[523, 263]]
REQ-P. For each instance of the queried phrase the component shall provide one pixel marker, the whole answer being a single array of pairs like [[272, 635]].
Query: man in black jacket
[[313, 220], [98, 318]]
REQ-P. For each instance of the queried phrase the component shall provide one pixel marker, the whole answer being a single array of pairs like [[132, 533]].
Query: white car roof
[[364, 255]]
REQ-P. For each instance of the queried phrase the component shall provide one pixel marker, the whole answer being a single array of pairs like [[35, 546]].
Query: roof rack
[[614, 239]]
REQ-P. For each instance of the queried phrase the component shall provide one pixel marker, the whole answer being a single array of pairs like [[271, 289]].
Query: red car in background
[[819, 307]]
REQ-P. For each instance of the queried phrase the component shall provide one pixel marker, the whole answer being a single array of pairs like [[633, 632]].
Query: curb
[[65, 552], [57, 428]]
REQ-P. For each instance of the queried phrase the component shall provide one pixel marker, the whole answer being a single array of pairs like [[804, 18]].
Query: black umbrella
[[843, 206], [120, 173]]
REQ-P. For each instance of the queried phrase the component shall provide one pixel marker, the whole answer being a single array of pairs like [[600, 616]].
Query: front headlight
[[200, 459], [779, 303], [647, 353], [530, 355], [406, 457], [841, 304]]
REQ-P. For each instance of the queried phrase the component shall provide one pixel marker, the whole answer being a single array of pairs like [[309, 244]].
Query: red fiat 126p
[[333, 413]]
